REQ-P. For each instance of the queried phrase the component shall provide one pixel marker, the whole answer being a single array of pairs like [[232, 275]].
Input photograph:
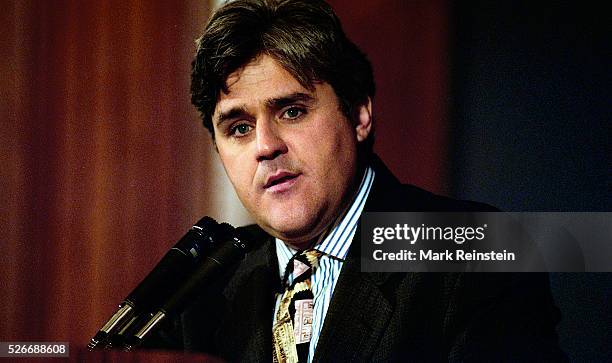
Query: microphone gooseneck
[[161, 282], [222, 258]]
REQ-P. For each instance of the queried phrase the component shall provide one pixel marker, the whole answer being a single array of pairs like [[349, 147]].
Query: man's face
[[290, 152]]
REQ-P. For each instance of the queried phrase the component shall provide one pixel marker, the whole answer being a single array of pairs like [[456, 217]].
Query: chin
[[292, 228]]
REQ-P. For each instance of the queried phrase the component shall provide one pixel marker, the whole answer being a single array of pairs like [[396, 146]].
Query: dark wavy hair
[[304, 36]]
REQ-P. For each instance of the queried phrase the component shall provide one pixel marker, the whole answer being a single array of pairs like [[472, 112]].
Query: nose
[[270, 144]]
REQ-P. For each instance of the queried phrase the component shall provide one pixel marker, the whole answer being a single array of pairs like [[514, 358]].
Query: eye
[[240, 130], [293, 113]]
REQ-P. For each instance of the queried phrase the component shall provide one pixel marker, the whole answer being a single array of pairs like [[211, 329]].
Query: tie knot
[[301, 266], [310, 257]]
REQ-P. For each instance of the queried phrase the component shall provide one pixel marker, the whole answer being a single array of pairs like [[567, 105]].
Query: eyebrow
[[275, 103], [231, 114], [292, 98]]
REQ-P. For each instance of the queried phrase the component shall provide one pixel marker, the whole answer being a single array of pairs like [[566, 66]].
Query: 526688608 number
[[33, 349]]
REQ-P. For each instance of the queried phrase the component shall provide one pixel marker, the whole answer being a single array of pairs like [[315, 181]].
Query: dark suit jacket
[[382, 316]]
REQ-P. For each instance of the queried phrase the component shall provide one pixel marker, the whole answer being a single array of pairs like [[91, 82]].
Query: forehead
[[261, 79]]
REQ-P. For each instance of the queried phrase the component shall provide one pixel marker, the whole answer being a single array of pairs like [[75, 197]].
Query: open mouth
[[277, 182]]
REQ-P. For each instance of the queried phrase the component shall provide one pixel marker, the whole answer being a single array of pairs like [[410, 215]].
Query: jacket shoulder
[[390, 195], [427, 201]]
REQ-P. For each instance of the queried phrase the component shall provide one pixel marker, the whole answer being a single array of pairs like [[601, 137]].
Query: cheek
[[342, 145], [332, 158], [332, 138], [344, 156], [238, 171]]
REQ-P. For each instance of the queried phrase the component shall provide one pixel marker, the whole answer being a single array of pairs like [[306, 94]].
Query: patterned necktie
[[293, 328]]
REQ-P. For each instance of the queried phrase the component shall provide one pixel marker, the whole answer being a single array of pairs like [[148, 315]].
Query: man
[[288, 101]]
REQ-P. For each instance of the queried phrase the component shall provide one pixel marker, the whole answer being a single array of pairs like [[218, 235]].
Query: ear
[[363, 117]]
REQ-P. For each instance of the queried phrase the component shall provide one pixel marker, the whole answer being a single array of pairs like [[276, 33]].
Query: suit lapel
[[360, 310], [357, 316]]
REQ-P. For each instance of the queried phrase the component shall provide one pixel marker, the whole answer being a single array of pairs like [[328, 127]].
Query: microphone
[[224, 256], [178, 262]]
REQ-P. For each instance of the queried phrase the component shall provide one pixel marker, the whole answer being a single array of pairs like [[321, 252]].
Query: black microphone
[[161, 282], [221, 259]]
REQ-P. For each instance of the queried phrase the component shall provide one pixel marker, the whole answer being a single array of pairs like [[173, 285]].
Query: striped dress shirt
[[334, 244]]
